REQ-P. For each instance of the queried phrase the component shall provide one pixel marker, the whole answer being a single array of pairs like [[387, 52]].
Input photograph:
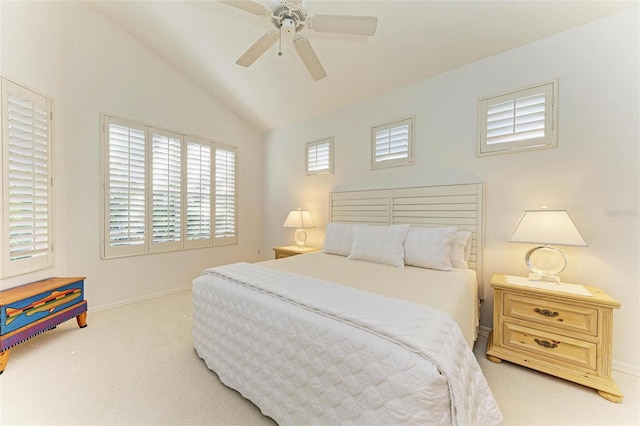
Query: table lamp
[[546, 227], [300, 219]]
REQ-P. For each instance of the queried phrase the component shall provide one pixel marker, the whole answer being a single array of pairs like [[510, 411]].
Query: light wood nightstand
[[559, 333], [282, 252]]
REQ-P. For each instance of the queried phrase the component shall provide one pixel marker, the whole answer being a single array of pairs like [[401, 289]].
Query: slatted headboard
[[429, 206]]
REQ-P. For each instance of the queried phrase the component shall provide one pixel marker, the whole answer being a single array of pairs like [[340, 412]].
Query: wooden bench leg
[[82, 320], [4, 358]]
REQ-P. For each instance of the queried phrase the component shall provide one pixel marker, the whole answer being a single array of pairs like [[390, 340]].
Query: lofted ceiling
[[414, 40]]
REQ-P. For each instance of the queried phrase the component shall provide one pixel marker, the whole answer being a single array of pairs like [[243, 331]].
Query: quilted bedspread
[[307, 351]]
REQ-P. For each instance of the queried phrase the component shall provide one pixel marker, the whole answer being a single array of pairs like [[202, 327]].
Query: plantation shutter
[[27, 179], [165, 191], [319, 157], [166, 202], [126, 186], [520, 119], [225, 196], [198, 195], [392, 144]]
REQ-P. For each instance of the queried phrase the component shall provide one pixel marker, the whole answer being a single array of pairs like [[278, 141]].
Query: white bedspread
[[454, 292], [365, 359]]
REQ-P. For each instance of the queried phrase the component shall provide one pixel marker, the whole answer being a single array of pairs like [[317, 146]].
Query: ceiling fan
[[289, 17]]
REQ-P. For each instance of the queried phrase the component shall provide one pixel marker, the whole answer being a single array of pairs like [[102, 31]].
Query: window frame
[[551, 109], [33, 262], [108, 250], [396, 124], [314, 144]]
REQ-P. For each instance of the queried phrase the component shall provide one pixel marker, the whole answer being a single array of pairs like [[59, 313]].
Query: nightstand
[[287, 251], [560, 333]]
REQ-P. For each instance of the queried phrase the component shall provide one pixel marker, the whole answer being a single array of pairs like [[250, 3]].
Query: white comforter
[[454, 292], [309, 351]]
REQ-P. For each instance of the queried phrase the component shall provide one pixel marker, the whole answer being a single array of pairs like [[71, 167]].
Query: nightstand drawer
[[560, 315], [549, 345]]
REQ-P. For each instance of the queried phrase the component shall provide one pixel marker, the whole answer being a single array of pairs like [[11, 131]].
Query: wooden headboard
[[458, 205]]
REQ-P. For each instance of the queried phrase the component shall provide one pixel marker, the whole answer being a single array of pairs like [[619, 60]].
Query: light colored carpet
[[136, 364]]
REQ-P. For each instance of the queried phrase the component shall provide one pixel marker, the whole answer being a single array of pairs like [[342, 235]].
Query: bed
[[377, 328]]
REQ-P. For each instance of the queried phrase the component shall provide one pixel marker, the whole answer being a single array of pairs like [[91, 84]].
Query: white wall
[[89, 65], [592, 173]]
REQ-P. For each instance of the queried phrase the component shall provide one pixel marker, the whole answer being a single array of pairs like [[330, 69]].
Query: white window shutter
[[26, 191], [198, 194], [392, 144], [225, 196], [165, 191], [320, 157], [521, 119], [166, 198], [126, 186]]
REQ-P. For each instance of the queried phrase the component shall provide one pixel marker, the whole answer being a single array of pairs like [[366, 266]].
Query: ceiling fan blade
[[249, 6], [343, 24], [309, 57], [295, 3], [258, 48]]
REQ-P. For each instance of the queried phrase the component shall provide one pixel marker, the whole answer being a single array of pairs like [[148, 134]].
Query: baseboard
[[621, 367], [139, 299], [484, 331], [626, 368]]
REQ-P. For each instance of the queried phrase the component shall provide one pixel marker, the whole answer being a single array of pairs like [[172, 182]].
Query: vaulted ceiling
[[414, 40]]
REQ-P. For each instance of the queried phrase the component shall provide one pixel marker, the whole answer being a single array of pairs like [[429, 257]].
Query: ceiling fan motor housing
[[289, 19]]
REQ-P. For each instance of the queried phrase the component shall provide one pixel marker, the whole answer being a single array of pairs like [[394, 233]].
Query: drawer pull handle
[[546, 312], [545, 343]]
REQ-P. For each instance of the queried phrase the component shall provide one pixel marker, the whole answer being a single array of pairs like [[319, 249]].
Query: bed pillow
[[379, 244], [461, 250], [338, 239], [429, 247]]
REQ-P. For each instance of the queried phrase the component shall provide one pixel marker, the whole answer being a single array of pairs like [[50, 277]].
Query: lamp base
[[300, 236], [545, 262]]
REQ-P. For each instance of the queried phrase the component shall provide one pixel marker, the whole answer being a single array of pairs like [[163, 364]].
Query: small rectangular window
[[392, 144], [519, 120], [320, 157]]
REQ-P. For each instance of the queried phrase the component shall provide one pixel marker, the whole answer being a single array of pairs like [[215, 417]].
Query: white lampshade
[[300, 219], [547, 227]]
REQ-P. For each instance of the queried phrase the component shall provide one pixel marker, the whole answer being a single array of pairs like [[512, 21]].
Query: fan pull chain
[[280, 42]]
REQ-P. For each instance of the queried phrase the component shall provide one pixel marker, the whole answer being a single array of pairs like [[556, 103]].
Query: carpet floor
[[135, 365]]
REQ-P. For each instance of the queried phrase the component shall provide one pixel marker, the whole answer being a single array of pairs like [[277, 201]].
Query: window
[[320, 157], [225, 215], [392, 144], [166, 188], [519, 120], [198, 194], [26, 190], [159, 192]]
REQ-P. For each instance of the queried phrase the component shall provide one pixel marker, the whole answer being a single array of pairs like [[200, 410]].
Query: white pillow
[[338, 239], [379, 244], [429, 247], [461, 250]]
